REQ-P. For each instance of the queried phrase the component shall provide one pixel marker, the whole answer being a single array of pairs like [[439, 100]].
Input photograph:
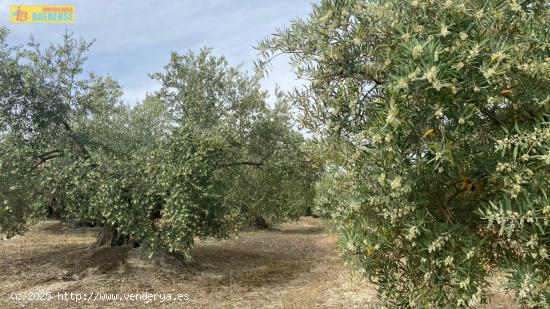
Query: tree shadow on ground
[[314, 230], [246, 267], [60, 229], [257, 259]]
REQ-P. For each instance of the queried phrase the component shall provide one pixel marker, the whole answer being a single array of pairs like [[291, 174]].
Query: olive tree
[[42, 98], [198, 158], [269, 174], [186, 162], [446, 105]]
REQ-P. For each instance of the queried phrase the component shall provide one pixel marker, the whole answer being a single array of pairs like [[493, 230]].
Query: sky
[[134, 38]]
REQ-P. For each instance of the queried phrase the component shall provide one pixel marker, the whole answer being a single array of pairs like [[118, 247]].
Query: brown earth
[[297, 266]]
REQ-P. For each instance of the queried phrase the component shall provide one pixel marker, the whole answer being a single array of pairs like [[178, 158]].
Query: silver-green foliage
[[447, 106], [195, 159]]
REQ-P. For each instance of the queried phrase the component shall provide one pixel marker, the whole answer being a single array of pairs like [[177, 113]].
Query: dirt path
[[297, 267]]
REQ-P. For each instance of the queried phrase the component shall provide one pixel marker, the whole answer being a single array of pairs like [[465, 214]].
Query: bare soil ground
[[295, 267]]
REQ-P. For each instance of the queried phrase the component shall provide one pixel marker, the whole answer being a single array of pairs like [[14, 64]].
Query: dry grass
[[296, 267]]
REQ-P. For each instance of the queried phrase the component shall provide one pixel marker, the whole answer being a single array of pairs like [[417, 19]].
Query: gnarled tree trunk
[[260, 223], [110, 237]]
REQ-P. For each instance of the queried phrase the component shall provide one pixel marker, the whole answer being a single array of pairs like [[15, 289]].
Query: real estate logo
[[42, 14]]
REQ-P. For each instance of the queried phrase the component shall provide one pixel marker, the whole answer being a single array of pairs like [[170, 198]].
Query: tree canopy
[[445, 105], [200, 157]]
